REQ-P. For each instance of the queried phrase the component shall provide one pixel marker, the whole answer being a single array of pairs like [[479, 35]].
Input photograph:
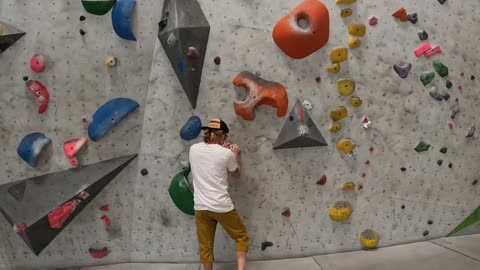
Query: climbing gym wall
[[296, 198]]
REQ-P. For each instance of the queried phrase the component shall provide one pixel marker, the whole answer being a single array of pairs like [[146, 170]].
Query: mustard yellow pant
[[206, 225]]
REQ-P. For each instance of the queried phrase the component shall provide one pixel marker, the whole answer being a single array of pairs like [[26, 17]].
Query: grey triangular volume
[[45, 193], [183, 26], [18, 190], [10, 35], [299, 130]]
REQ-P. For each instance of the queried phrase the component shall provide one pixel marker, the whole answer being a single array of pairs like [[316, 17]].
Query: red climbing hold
[[370, 149], [37, 63], [217, 60], [286, 212], [72, 147], [322, 180], [460, 87], [98, 253], [359, 187], [462, 74], [401, 14], [364, 175], [105, 219], [104, 207], [57, 217], [41, 94], [318, 79], [367, 162]]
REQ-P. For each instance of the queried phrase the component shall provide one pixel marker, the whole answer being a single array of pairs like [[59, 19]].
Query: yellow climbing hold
[[346, 145], [353, 42], [2, 29], [340, 211], [111, 61], [369, 238], [348, 186], [345, 87], [357, 29], [335, 68], [346, 12], [339, 54], [355, 101], [338, 113], [345, 1], [335, 127]]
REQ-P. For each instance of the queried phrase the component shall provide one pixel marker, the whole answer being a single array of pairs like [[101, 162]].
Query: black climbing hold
[[446, 96], [475, 182], [439, 162], [442, 1], [403, 206], [403, 169], [266, 244], [450, 165], [82, 32], [163, 21], [25, 78], [82, 18], [318, 79], [430, 222], [144, 172], [423, 35], [425, 233], [402, 70], [413, 18], [472, 78]]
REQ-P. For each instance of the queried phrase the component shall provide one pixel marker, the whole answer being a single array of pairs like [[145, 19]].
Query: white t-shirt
[[209, 163]]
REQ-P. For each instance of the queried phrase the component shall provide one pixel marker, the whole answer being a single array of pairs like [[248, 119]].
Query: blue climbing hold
[[122, 19], [108, 115], [181, 66], [30, 147], [191, 129]]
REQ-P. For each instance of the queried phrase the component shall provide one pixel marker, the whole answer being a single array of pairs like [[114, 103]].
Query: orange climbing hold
[[401, 14], [259, 92], [304, 30]]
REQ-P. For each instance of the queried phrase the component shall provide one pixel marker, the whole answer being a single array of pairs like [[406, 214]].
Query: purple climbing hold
[[413, 18], [423, 35], [402, 70]]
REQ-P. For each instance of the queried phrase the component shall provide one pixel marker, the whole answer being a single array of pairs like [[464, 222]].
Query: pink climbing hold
[[41, 94], [98, 253], [422, 49], [59, 215], [322, 180], [106, 220], [450, 124], [193, 53], [370, 149], [38, 63], [359, 187], [367, 162], [286, 212], [435, 50], [364, 175], [460, 87], [373, 20], [72, 147], [462, 74]]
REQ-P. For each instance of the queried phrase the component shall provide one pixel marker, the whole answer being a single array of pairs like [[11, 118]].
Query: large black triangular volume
[[10, 36], [43, 194], [299, 130], [182, 26]]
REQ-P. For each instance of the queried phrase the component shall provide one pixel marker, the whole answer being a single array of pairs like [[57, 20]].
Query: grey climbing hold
[[402, 70], [440, 68], [471, 132], [427, 77], [454, 110], [446, 96], [172, 39], [413, 18], [434, 94], [266, 244], [423, 35]]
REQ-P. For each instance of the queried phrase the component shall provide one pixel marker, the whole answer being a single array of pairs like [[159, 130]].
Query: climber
[[210, 161]]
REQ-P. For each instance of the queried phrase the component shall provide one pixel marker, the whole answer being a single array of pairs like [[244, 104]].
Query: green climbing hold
[[422, 147], [443, 150], [427, 77], [98, 7], [439, 162], [181, 193], [449, 84], [440, 68], [470, 220]]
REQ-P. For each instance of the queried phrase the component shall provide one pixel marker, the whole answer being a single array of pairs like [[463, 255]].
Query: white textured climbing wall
[[146, 225]]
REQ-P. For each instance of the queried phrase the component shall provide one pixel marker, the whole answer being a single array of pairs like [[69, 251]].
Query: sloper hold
[[184, 20], [191, 129], [440, 68], [10, 35], [338, 113], [30, 147], [335, 68], [38, 63], [357, 29], [304, 30], [299, 130], [345, 87], [339, 54], [98, 7], [427, 77], [402, 70], [180, 192], [45, 193], [108, 115], [122, 15]]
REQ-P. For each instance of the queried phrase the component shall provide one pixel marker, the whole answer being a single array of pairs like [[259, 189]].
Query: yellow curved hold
[[340, 211], [356, 101], [369, 238], [345, 1], [354, 42], [339, 54], [346, 12], [346, 145], [338, 113], [335, 127], [345, 87], [335, 68], [348, 186], [357, 29]]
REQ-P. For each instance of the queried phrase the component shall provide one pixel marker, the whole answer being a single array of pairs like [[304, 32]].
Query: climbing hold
[[346, 12], [266, 244], [429, 222], [181, 193], [122, 19], [71, 149], [348, 186], [172, 39], [30, 147], [364, 174], [442, 1], [474, 182], [462, 74], [448, 84], [472, 78], [355, 101], [422, 147], [98, 7], [346, 145], [471, 132], [191, 129], [106, 220], [345, 87], [217, 60], [369, 238], [370, 149], [335, 68], [454, 110], [143, 172], [340, 211], [423, 35], [308, 105], [359, 187], [37, 63], [439, 162], [345, 1], [322, 181], [413, 18], [450, 124], [104, 207], [192, 53], [286, 212], [425, 233], [82, 18], [353, 42], [427, 77], [402, 70], [443, 150], [98, 253], [422, 49], [450, 165], [41, 94], [25, 78], [82, 32], [111, 61], [259, 92], [367, 162], [339, 54], [357, 29], [435, 94], [58, 216], [338, 113], [460, 87], [446, 96], [9, 36], [401, 14], [304, 30], [435, 50], [335, 127], [108, 115], [372, 21], [440, 68], [318, 79], [366, 123]]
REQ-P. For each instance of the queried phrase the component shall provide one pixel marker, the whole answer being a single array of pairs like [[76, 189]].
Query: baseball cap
[[217, 124]]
